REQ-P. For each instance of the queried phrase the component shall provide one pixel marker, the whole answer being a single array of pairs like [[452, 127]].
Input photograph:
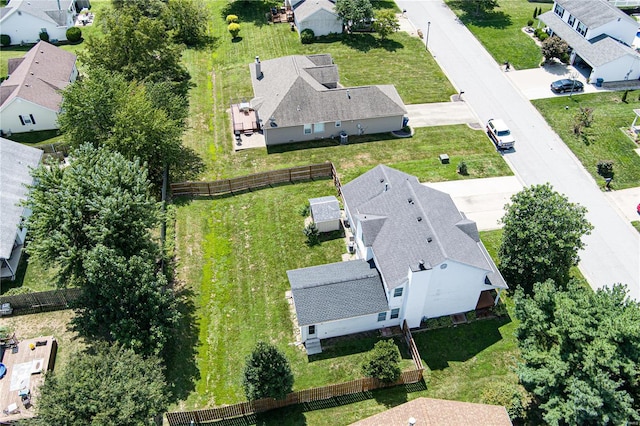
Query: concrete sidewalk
[[481, 200], [626, 200]]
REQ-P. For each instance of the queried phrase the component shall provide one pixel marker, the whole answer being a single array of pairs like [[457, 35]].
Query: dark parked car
[[567, 85]]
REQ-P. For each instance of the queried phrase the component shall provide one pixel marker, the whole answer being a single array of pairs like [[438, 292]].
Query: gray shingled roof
[[46, 10], [420, 224], [43, 72], [293, 97], [16, 161], [597, 52], [337, 291], [306, 8], [324, 209], [593, 13]]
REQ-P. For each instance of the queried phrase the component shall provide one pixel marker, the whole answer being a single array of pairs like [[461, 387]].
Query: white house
[[16, 161], [30, 98], [599, 35], [317, 15], [325, 212], [418, 257], [298, 98], [24, 20]]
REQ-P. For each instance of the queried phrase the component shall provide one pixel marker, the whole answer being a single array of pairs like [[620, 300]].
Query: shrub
[[510, 395], [471, 316], [529, 22], [500, 310], [311, 232], [267, 373], [74, 34], [383, 362], [44, 36], [5, 39], [307, 36], [305, 210], [18, 290], [234, 29], [231, 19], [462, 168], [605, 169]]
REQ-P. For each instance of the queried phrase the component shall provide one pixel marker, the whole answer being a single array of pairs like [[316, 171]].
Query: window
[[382, 316], [395, 313], [312, 330], [559, 10], [318, 128], [307, 129], [582, 28], [27, 119], [397, 292], [338, 123], [571, 21]]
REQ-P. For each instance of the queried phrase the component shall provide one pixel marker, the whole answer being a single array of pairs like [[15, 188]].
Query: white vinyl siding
[[318, 128]]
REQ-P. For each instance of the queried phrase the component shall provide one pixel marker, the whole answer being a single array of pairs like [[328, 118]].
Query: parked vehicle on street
[[567, 85], [500, 134]]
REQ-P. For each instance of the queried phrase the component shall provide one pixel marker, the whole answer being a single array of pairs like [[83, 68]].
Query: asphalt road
[[612, 254]]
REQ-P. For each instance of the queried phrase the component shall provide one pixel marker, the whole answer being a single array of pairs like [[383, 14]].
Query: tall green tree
[[109, 386], [137, 46], [354, 12], [581, 353], [101, 198], [125, 301], [541, 237], [188, 20], [267, 373], [555, 48], [386, 23], [136, 120], [383, 362]]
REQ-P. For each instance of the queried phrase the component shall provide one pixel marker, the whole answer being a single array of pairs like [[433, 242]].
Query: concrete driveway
[[534, 83], [440, 114]]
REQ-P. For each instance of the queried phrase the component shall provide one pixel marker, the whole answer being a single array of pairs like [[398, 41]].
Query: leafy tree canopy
[[111, 386], [541, 237], [386, 23], [383, 362], [267, 373], [555, 47], [137, 46], [354, 12], [188, 19], [581, 353], [137, 120], [100, 199], [124, 300]]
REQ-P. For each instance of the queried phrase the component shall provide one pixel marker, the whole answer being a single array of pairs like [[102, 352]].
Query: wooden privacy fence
[[31, 303], [256, 181], [309, 395], [411, 344]]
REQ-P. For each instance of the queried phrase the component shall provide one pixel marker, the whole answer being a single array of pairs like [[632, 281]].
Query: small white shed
[[325, 212]]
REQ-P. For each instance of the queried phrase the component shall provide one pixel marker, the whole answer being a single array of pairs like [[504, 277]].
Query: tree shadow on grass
[[461, 343], [486, 19], [325, 143], [352, 344], [253, 11], [180, 355], [362, 42]]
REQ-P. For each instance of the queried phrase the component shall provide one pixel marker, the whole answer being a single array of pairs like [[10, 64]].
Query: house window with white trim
[[559, 10], [382, 316], [571, 21], [318, 128], [582, 29], [27, 119], [395, 313], [338, 123], [397, 292], [312, 330], [307, 129]]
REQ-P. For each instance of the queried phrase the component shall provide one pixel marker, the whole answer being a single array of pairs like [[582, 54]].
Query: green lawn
[[604, 140], [500, 30], [636, 224]]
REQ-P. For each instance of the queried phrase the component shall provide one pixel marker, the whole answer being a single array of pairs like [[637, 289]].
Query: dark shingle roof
[[43, 72], [336, 291], [593, 13], [293, 96], [16, 161], [407, 223], [325, 208], [596, 52]]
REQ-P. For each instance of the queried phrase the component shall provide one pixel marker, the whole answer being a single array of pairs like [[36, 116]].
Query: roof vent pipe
[[421, 265], [259, 74], [386, 187]]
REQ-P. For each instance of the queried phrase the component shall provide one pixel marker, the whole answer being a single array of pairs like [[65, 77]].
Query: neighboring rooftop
[[594, 13], [337, 291], [54, 11], [39, 76], [440, 412], [16, 161], [306, 8], [412, 226]]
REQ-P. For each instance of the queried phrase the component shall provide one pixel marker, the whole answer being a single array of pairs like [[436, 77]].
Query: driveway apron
[[612, 253]]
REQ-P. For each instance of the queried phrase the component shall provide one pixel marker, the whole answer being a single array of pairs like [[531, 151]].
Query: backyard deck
[[25, 368]]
